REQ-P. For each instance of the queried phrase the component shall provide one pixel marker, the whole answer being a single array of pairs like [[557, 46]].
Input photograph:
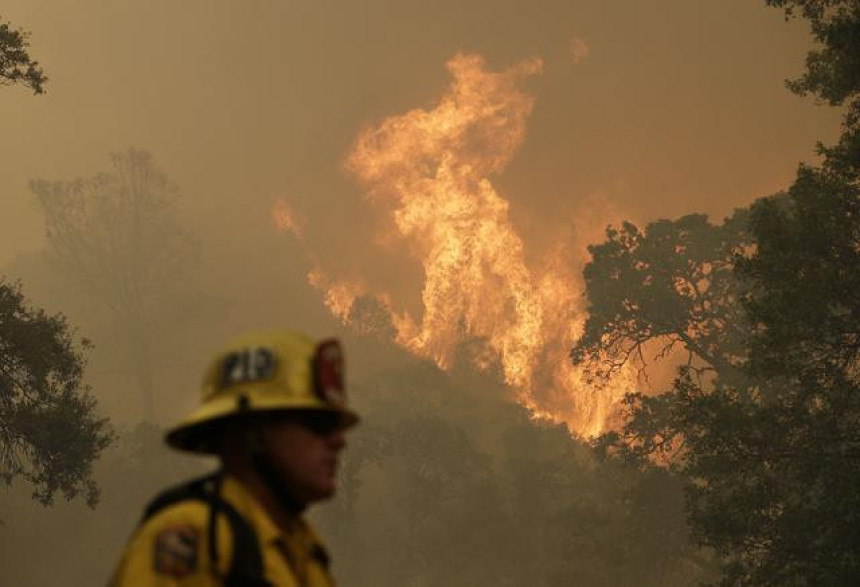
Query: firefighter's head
[[274, 403]]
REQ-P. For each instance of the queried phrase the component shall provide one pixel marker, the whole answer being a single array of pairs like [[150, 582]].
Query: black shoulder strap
[[246, 568]]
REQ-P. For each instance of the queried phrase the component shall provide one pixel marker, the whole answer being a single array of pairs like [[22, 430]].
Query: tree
[[813, 242], [772, 458], [16, 66], [804, 304], [832, 70], [668, 287], [50, 433], [116, 244]]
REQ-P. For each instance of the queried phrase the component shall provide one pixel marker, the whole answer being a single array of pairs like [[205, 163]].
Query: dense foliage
[[772, 453], [50, 433], [668, 287], [16, 65]]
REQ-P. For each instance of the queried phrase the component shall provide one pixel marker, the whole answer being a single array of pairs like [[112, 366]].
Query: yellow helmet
[[264, 372]]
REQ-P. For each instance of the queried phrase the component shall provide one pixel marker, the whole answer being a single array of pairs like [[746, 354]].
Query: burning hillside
[[429, 173]]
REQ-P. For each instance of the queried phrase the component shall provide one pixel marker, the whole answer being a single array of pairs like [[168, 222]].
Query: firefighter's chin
[[306, 460]]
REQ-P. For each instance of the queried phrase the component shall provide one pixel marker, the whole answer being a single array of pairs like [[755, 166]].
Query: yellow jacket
[[171, 549]]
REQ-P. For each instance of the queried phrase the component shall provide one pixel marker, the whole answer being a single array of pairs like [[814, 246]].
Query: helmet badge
[[248, 365]]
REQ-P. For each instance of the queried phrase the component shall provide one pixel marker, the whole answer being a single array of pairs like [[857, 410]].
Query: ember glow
[[339, 296], [430, 174], [286, 219], [579, 50]]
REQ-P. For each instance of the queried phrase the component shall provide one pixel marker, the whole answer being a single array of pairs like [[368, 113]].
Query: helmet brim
[[200, 431]]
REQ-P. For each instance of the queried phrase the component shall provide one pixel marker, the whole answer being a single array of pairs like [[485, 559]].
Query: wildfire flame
[[429, 172], [286, 219], [339, 296]]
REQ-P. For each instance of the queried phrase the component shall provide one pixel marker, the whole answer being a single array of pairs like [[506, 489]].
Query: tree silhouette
[[16, 65], [50, 434], [772, 456], [116, 244], [669, 286]]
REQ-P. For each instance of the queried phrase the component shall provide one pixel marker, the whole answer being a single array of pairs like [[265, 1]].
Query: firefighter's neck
[[270, 493]]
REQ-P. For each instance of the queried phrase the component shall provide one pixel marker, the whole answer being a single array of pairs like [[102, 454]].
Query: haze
[[642, 111]]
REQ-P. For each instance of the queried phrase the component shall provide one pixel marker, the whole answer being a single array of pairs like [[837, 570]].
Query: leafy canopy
[[668, 286], [50, 433], [16, 65], [772, 456]]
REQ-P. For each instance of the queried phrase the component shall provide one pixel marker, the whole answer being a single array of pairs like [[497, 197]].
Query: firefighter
[[274, 412]]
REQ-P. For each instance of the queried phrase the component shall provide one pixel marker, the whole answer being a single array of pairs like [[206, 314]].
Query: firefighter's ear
[[253, 440], [249, 428]]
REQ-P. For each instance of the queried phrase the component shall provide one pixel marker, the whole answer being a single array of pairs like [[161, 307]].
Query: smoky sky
[[645, 109], [673, 107]]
